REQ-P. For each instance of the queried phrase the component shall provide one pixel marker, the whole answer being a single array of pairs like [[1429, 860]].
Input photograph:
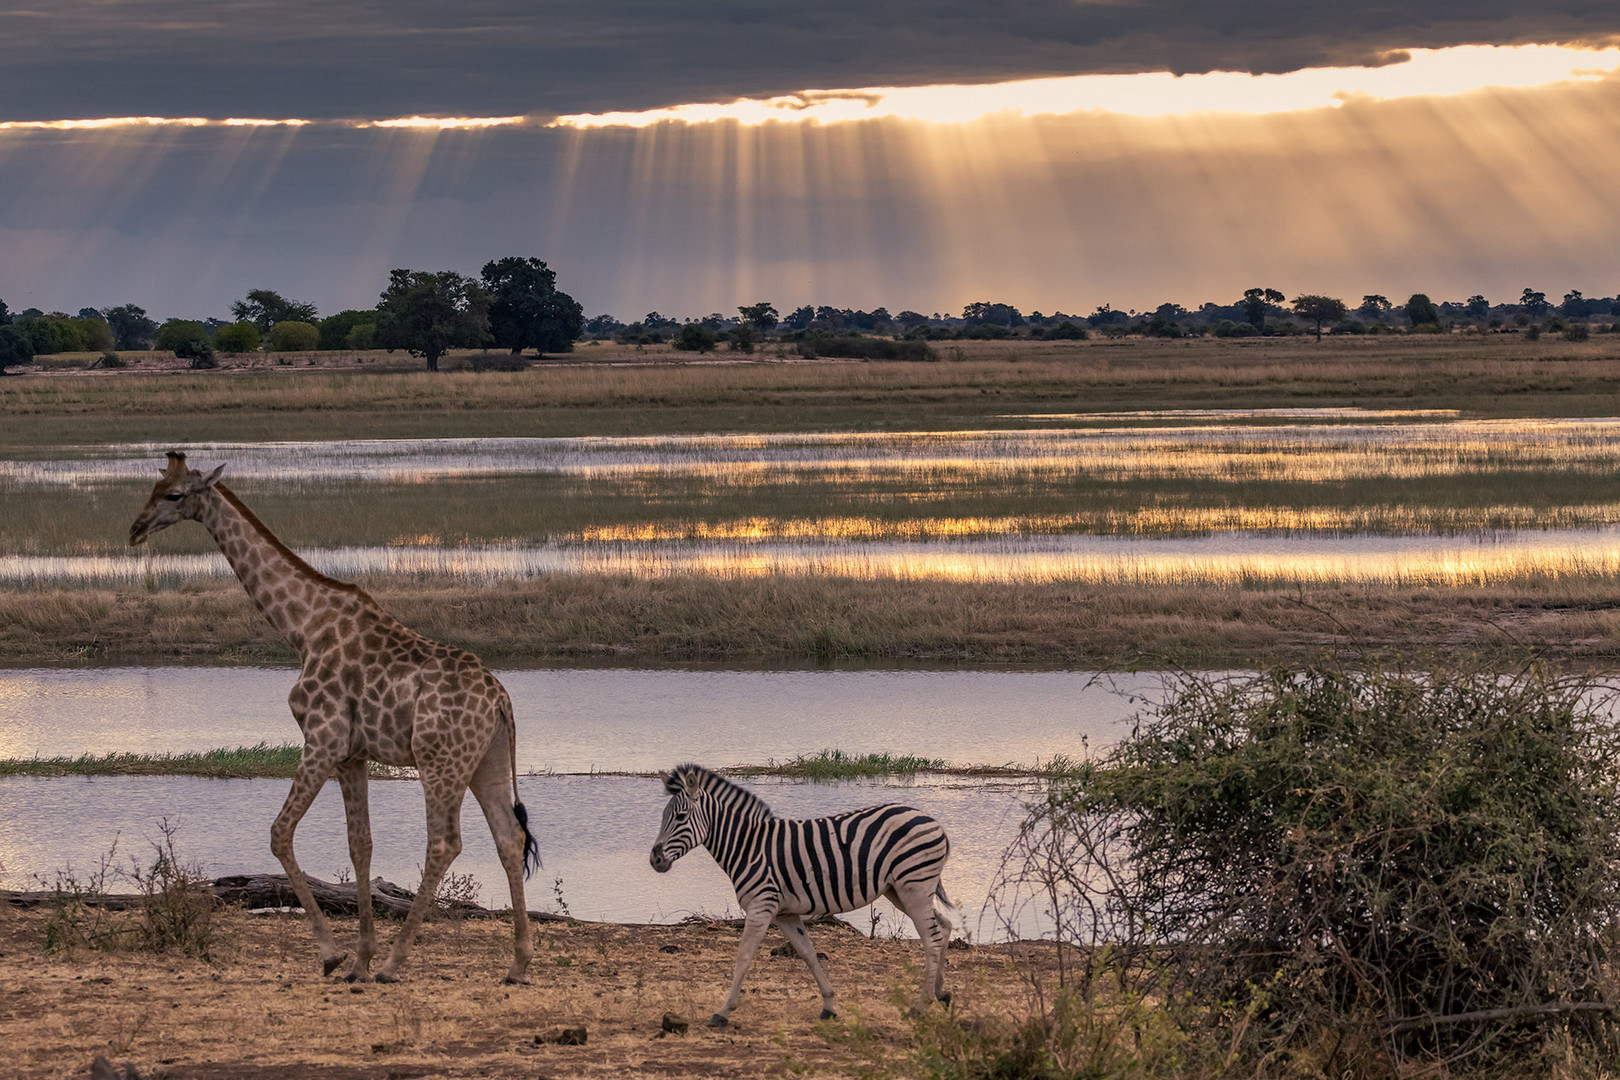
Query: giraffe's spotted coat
[[370, 689]]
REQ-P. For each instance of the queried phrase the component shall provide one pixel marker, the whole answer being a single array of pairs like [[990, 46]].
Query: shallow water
[[1263, 496], [1222, 558], [594, 831], [594, 834], [579, 720]]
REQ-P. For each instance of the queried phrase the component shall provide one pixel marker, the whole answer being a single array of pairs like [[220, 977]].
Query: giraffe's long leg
[[754, 928], [492, 787], [357, 811], [443, 790], [793, 927], [314, 767]]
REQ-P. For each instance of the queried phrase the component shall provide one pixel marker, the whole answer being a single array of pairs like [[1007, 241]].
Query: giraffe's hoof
[[515, 980], [332, 963], [358, 977], [718, 1021], [827, 1014], [944, 995], [384, 977]]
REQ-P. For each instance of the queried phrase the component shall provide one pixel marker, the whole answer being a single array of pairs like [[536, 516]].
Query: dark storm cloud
[[370, 58]]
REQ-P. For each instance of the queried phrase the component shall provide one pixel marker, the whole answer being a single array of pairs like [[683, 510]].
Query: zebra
[[786, 870]]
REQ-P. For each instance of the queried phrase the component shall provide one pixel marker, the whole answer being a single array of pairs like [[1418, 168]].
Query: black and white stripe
[[787, 870]]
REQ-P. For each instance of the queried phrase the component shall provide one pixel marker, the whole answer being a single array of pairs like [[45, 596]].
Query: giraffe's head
[[173, 498]]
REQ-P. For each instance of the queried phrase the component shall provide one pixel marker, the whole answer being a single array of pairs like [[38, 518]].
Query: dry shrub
[[174, 913], [1329, 870]]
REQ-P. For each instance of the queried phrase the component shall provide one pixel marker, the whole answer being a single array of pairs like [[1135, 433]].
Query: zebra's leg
[[916, 899], [754, 928], [793, 927]]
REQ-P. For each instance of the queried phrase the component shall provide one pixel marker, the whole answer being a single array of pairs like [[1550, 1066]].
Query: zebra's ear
[[671, 784]]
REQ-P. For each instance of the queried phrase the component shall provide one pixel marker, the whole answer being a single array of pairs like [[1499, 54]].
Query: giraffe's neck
[[290, 593]]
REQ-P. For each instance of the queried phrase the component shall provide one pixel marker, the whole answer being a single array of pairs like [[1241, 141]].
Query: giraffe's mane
[[286, 552], [711, 781]]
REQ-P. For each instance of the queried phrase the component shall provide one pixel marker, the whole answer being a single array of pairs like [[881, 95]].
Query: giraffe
[[370, 689]]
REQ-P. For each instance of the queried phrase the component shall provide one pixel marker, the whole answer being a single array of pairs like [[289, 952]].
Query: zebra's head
[[685, 823]]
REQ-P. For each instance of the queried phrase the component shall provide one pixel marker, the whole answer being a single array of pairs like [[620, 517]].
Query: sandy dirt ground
[[260, 1010]]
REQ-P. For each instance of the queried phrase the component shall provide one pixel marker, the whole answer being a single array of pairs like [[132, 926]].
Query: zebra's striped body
[[786, 870]]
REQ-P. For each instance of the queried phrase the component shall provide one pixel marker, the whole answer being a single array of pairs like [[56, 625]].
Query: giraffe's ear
[[212, 478], [672, 783]]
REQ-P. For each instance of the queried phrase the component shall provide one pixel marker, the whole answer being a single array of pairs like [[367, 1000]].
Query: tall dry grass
[[976, 384], [793, 621]]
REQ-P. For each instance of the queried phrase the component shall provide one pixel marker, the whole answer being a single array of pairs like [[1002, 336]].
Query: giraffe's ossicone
[[369, 689]]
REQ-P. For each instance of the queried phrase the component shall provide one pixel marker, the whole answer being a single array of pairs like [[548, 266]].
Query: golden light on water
[[1410, 73]]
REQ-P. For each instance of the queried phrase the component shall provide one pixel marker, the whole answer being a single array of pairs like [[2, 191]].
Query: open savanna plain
[[1504, 473]]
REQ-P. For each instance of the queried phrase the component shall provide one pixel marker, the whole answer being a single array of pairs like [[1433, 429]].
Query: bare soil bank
[[261, 1010], [795, 621]]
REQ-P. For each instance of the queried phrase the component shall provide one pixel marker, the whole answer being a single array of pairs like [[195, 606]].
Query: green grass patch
[[261, 761], [837, 765]]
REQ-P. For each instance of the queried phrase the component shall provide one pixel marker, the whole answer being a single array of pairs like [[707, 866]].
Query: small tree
[[294, 336], [741, 338], [14, 347], [176, 333], [427, 313], [1255, 302], [238, 337], [335, 329], [1319, 309], [266, 307], [130, 327], [1421, 311], [762, 316], [694, 337]]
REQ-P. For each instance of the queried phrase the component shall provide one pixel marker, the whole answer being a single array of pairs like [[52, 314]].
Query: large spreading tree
[[526, 310], [1319, 309], [427, 314]]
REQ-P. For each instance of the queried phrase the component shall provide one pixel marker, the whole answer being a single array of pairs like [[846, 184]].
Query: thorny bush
[[1329, 869]]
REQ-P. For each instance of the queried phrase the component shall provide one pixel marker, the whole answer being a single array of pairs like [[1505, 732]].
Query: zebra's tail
[[531, 846], [945, 910]]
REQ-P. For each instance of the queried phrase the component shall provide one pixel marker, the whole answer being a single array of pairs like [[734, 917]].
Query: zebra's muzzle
[[660, 861]]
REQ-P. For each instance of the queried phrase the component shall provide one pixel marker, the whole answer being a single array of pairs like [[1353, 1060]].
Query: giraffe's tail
[[531, 846]]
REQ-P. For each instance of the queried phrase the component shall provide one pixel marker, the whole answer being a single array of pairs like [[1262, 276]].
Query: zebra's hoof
[[827, 1014], [332, 963], [719, 1021]]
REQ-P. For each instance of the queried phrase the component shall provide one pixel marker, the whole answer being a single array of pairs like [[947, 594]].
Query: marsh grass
[[838, 765], [242, 763], [783, 620]]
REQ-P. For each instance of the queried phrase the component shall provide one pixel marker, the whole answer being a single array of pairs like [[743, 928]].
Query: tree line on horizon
[[515, 304]]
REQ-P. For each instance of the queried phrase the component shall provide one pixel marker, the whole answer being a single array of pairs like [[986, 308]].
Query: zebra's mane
[[696, 776]]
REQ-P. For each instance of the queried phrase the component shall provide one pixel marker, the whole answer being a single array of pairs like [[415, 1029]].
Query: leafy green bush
[[1425, 862], [694, 337], [238, 337], [14, 347], [294, 336]]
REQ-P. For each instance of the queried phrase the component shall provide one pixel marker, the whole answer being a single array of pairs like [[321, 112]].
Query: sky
[[690, 158]]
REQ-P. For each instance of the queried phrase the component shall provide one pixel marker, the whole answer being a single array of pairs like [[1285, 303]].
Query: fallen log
[[272, 891]]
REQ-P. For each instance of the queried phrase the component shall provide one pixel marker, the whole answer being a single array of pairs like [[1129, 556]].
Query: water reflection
[[579, 720], [1219, 448], [594, 834], [1227, 558]]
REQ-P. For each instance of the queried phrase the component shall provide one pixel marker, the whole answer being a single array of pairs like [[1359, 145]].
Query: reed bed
[[782, 621]]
